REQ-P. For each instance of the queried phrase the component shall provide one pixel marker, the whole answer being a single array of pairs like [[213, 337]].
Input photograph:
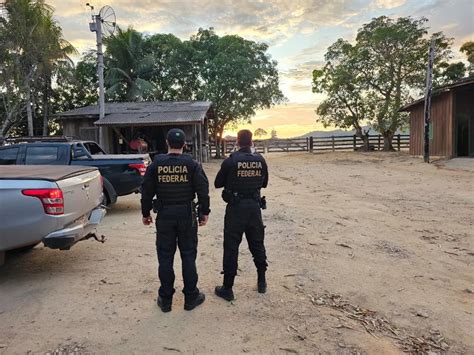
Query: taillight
[[140, 167], [102, 181], [52, 199]]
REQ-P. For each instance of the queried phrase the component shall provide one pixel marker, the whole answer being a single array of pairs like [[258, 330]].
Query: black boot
[[190, 305], [164, 304], [262, 282], [225, 293]]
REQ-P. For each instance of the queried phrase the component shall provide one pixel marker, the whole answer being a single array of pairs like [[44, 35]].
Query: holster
[[230, 197]]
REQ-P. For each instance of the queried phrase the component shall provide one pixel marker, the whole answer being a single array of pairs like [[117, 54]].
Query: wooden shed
[[126, 122], [452, 121]]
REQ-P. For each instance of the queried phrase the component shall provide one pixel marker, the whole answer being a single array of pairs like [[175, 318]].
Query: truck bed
[[58, 205], [41, 172]]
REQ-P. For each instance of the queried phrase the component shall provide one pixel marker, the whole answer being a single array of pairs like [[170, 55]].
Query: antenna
[[102, 24]]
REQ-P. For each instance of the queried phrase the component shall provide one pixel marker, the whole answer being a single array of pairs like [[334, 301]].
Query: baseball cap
[[176, 138]]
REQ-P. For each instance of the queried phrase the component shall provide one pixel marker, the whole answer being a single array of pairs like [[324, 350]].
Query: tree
[[128, 68], [237, 75], [260, 132], [175, 75], [447, 73], [11, 105], [468, 49], [54, 61], [274, 134], [78, 85], [34, 50], [346, 105], [391, 56], [25, 25]]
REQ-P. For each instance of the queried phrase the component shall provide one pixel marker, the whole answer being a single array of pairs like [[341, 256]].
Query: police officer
[[175, 179], [242, 175]]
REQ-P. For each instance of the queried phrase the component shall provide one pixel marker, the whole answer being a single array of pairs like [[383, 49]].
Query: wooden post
[[354, 142], [427, 108], [378, 142], [311, 144], [224, 147], [307, 144], [265, 146], [333, 144], [398, 141], [199, 143]]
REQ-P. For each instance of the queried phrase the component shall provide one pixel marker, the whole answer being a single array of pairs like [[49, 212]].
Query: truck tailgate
[[81, 193]]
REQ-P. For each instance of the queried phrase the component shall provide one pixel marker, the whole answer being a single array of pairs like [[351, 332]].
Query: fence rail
[[312, 144]]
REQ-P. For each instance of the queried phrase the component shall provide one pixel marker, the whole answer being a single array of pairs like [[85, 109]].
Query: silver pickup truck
[[56, 205]]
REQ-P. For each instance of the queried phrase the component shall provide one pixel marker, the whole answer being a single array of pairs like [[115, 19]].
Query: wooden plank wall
[[442, 143]]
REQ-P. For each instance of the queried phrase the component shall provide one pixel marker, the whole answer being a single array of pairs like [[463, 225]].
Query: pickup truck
[[56, 205], [122, 173]]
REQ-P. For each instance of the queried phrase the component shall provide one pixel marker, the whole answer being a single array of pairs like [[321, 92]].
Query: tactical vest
[[174, 174], [246, 176]]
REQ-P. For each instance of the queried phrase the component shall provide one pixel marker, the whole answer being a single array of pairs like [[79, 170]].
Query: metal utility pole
[[100, 73], [102, 24], [427, 110]]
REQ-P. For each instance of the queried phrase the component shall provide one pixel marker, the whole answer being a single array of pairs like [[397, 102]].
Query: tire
[[105, 198]]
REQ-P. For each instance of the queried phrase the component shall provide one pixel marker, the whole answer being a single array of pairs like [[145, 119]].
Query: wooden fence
[[314, 144]]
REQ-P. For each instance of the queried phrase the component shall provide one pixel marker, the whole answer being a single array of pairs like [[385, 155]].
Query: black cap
[[176, 138]]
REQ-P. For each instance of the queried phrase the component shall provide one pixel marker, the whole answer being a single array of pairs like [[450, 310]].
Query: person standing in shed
[[175, 178], [243, 175]]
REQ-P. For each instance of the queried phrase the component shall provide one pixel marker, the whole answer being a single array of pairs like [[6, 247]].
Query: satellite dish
[[108, 20]]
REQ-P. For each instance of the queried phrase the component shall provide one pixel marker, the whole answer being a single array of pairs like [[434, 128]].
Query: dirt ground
[[368, 253]]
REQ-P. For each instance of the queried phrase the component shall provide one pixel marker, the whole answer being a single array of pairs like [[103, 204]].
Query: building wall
[[442, 143], [72, 126]]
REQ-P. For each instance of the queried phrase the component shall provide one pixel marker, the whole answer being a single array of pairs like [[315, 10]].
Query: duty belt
[[246, 196]]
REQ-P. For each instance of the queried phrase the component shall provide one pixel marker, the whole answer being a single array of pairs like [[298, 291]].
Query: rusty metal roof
[[143, 113], [437, 91]]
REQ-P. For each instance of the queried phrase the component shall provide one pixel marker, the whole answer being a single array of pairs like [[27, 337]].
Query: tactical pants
[[172, 232], [244, 217]]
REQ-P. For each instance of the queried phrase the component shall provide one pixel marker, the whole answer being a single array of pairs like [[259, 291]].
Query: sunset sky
[[298, 32]]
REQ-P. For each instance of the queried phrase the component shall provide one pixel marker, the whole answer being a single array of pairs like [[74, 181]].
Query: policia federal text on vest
[[175, 179], [242, 175]]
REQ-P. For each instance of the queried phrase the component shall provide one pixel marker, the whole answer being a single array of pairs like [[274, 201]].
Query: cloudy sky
[[298, 32]]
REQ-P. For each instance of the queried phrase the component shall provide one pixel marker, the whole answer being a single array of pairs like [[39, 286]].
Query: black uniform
[[242, 175], [175, 179]]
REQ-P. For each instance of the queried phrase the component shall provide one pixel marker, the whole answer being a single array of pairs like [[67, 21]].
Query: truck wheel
[[105, 198]]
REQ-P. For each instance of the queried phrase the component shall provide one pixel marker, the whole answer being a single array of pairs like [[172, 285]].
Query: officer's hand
[[204, 220], [147, 220]]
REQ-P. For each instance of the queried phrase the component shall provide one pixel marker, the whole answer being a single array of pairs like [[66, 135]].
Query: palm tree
[[37, 50], [129, 69], [54, 61], [23, 24]]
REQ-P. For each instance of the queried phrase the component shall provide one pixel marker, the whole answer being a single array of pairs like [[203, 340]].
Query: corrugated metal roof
[[440, 90], [152, 118], [144, 113]]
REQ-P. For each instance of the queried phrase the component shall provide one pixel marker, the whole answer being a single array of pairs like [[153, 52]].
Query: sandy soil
[[368, 253]]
